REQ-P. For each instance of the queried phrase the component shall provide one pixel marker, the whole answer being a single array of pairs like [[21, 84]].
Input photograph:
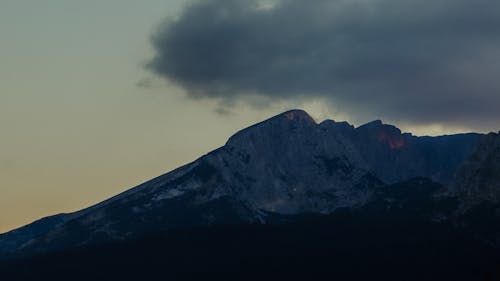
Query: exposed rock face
[[287, 164], [396, 157], [478, 179]]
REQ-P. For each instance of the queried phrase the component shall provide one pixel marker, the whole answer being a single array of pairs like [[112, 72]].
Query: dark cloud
[[418, 61]]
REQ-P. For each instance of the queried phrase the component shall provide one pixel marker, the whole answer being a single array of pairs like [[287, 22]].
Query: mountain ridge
[[288, 164]]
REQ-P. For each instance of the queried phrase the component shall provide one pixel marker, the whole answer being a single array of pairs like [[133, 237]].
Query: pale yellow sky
[[75, 127]]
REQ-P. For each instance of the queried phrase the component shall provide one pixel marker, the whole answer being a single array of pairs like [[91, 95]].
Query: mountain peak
[[297, 114], [372, 124], [385, 133], [282, 123]]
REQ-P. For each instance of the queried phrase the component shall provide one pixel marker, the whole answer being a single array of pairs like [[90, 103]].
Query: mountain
[[394, 156], [478, 179], [282, 169], [476, 186]]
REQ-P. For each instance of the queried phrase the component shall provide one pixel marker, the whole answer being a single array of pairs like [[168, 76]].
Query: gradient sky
[[83, 117]]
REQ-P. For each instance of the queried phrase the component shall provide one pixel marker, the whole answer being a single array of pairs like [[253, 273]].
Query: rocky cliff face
[[394, 156], [476, 187], [286, 165], [289, 164], [478, 179]]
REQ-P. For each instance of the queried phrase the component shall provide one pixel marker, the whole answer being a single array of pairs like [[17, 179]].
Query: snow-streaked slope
[[288, 164]]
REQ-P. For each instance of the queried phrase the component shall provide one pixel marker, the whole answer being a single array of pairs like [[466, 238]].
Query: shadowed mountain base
[[344, 246]]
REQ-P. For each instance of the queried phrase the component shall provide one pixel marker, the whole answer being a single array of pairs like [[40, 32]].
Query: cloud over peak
[[418, 61]]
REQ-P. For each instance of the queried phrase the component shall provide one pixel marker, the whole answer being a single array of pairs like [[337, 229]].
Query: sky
[[98, 96]]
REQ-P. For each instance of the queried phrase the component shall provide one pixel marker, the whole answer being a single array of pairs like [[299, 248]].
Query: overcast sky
[[97, 96]]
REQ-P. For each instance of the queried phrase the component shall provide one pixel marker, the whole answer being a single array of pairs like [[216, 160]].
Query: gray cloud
[[418, 61]]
